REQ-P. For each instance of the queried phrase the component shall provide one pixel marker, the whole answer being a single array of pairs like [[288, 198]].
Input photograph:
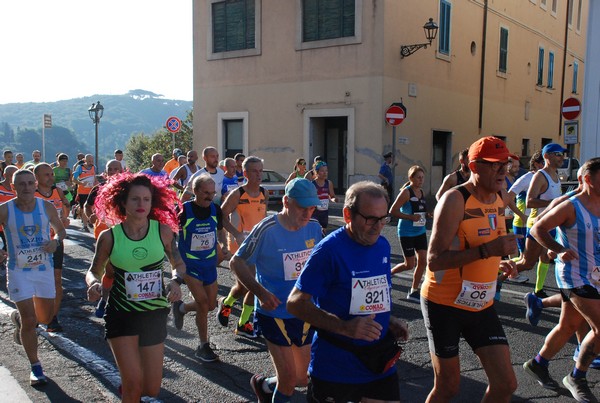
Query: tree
[[140, 148]]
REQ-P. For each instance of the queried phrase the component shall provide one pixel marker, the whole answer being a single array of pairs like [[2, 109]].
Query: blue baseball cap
[[303, 192], [553, 148]]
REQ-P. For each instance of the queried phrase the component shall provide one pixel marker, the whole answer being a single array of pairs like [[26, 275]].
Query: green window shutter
[[327, 19], [233, 25], [503, 50]]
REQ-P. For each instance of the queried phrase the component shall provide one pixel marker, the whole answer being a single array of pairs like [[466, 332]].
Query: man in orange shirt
[[85, 177], [173, 163], [458, 294]]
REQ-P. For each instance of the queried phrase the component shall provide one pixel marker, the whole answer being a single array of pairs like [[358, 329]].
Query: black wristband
[[178, 280]]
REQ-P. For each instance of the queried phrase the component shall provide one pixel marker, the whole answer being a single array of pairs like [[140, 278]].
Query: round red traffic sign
[[394, 115], [571, 108], [173, 124]]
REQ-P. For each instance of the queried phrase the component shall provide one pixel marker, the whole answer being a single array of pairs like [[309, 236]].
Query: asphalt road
[[81, 368]]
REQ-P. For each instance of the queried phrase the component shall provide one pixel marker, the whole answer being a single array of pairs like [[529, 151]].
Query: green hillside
[[72, 130]]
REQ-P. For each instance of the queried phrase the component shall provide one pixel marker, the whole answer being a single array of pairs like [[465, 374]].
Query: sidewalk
[[10, 390]]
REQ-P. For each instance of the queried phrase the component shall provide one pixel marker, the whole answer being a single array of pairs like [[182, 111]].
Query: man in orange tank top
[[467, 242], [47, 191]]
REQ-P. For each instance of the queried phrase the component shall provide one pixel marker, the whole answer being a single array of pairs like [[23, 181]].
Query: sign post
[[394, 115], [46, 124], [173, 125]]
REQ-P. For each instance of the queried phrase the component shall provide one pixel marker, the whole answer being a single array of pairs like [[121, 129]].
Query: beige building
[[284, 79]]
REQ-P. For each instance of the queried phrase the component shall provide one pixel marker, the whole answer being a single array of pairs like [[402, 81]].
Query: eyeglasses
[[371, 221], [557, 154], [496, 166], [302, 163]]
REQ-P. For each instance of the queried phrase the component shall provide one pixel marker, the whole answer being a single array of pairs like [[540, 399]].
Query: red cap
[[490, 149]]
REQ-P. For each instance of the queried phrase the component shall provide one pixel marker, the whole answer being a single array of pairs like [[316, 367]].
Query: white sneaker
[[518, 279]]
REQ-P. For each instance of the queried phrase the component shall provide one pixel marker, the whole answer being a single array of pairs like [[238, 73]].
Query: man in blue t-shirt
[[268, 264], [345, 292], [386, 175]]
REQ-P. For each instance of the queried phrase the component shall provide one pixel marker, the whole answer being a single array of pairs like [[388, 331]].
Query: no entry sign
[[571, 108], [395, 115]]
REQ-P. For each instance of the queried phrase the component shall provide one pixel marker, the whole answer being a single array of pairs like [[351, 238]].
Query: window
[[540, 75], [525, 148], [575, 74], [503, 60], [543, 3], [579, 11], [550, 69], [233, 25], [331, 19], [234, 137], [444, 30], [570, 12], [554, 2]]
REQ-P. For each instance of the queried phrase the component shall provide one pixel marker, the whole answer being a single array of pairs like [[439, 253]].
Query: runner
[[345, 293], [411, 208], [143, 210], [30, 281], [62, 177], [85, 177], [458, 177], [200, 226], [457, 296], [544, 187], [299, 170], [326, 195], [186, 171], [47, 191], [113, 167], [268, 263], [250, 203], [577, 223], [210, 155]]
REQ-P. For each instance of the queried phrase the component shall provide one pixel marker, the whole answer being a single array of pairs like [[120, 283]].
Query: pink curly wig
[[109, 203]]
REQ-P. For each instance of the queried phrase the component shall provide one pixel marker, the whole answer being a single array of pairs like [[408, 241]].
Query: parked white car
[[274, 183]]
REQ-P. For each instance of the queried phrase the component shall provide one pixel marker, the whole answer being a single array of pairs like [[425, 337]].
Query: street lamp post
[[431, 29], [96, 111]]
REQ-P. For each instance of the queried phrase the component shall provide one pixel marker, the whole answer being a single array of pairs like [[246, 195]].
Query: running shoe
[[150, 399], [256, 382], [54, 326], [246, 330], [579, 389], [534, 308], [100, 309], [15, 318], [541, 294], [414, 296], [206, 353], [595, 364], [223, 312], [37, 377], [177, 315], [520, 278], [540, 374]]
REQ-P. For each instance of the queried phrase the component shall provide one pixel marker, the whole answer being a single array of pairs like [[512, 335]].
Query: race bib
[[202, 242], [475, 295], [324, 205], [422, 220], [293, 263], [32, 257], [141, 286], [370, 295], [88, 182], [62, 186]]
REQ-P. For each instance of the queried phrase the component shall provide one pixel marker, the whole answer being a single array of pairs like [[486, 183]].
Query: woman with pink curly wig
[[142, 210]]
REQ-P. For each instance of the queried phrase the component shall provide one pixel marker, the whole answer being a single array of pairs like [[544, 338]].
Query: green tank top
[[138, 285]]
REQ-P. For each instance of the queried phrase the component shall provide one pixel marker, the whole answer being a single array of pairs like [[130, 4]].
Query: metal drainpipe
[[482, 76]]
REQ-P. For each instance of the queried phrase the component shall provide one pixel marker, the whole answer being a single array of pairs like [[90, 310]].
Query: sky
[[52, 50]]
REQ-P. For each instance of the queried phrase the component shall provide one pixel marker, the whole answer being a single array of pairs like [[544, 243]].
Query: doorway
[[329, 139]]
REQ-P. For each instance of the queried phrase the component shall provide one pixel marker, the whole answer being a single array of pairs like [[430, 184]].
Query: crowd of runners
[[321, 301]]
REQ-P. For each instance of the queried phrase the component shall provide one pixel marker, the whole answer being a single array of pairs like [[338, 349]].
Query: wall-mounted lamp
[[431, 29]]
